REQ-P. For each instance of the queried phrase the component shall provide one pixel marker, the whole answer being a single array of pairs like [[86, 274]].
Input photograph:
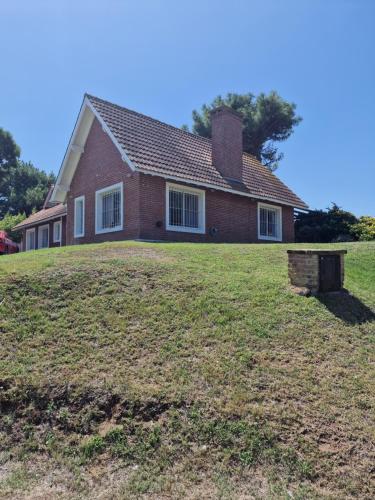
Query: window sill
[[268, 238], [182, 229], [109, 230]]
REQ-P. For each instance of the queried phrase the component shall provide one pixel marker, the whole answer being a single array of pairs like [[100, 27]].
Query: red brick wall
[[234, 216], [227, 147], [50, 225], [101, 165], [288, 224]]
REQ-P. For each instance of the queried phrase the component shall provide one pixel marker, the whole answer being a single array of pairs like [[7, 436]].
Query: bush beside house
[[333, 225]]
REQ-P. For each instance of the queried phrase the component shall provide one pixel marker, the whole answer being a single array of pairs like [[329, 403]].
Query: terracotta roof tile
[[158, 148], [46, 213]]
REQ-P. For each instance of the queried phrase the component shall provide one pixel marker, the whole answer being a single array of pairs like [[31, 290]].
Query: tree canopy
[[23, 187], [268, 119], [8, 222], [325, 226]]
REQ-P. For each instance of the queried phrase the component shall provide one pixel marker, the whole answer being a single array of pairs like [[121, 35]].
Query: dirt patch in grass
[[150, 442], [121, 252]]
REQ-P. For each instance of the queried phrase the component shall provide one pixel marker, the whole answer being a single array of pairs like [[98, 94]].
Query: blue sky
[[165, 58]]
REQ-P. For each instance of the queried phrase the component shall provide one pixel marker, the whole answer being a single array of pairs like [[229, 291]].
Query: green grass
[[184, 370]]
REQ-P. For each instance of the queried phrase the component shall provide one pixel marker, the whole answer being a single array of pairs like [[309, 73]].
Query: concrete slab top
[[313, 251]]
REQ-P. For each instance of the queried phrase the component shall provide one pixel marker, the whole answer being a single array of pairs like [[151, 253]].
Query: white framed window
[[57, 232], [79, 217], [43, 236], [30, 239], [109, 207], [269, 222], [185, 209]]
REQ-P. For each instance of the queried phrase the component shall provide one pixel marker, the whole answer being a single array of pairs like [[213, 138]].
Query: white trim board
[[201, 209], [121, 150], [76, 147], [76, 200], [279, 223], [98, 193]]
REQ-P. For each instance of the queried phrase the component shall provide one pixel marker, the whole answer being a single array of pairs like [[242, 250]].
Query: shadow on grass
[[347, 307]]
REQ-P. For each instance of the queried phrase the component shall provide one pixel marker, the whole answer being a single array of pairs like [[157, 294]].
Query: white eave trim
[[78, 149], [107, 130], [218, 188]]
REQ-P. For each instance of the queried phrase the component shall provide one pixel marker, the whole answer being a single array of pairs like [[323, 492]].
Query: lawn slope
[[184, 370]]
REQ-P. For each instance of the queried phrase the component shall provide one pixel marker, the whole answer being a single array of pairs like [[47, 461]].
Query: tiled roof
[[158, 148], [44, 214]]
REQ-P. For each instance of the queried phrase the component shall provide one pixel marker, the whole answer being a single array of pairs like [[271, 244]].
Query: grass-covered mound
[[182, 370]]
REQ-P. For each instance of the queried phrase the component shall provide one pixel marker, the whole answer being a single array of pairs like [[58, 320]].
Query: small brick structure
[[316, 271]]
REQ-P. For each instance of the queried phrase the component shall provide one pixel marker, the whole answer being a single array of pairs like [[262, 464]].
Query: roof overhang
[[77, 144], [76, 147], [220, 188], [22, 225]]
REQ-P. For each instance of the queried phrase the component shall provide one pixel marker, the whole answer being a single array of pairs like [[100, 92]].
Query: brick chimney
[[226, 125]]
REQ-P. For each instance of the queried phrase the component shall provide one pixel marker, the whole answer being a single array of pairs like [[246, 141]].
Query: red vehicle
[[6, 244]]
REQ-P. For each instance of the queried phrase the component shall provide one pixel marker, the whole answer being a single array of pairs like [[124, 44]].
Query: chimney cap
[[226, 109]]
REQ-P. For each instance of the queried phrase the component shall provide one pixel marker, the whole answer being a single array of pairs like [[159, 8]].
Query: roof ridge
[[196, 136], [191, 144]]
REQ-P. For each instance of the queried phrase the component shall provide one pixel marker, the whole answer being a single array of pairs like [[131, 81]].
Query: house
[[46, 228], [128, 176]]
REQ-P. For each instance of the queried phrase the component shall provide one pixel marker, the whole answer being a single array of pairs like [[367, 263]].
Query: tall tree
[[23, 187], [268, 119], [9, 151], [9, 155], [28, 188]]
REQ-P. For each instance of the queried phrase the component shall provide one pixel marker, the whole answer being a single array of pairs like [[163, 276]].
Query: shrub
[[92, 447], [325, 226], [364, 230]]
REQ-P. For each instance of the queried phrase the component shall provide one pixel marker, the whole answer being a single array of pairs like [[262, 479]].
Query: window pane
[[111, 209], [57, 231], [268, 222], [43, 238], [263, 222], [79, 217], [191, 210], [175, 208], [271, 223], [30, 240]]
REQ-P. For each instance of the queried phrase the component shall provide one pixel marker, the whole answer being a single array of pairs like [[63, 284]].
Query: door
[[329, 273]]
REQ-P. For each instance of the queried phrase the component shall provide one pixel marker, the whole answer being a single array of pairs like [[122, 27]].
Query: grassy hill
[[181, 370]]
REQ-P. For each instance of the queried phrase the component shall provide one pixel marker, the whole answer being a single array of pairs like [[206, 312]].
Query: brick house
[[128, 176], [46, 228]]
